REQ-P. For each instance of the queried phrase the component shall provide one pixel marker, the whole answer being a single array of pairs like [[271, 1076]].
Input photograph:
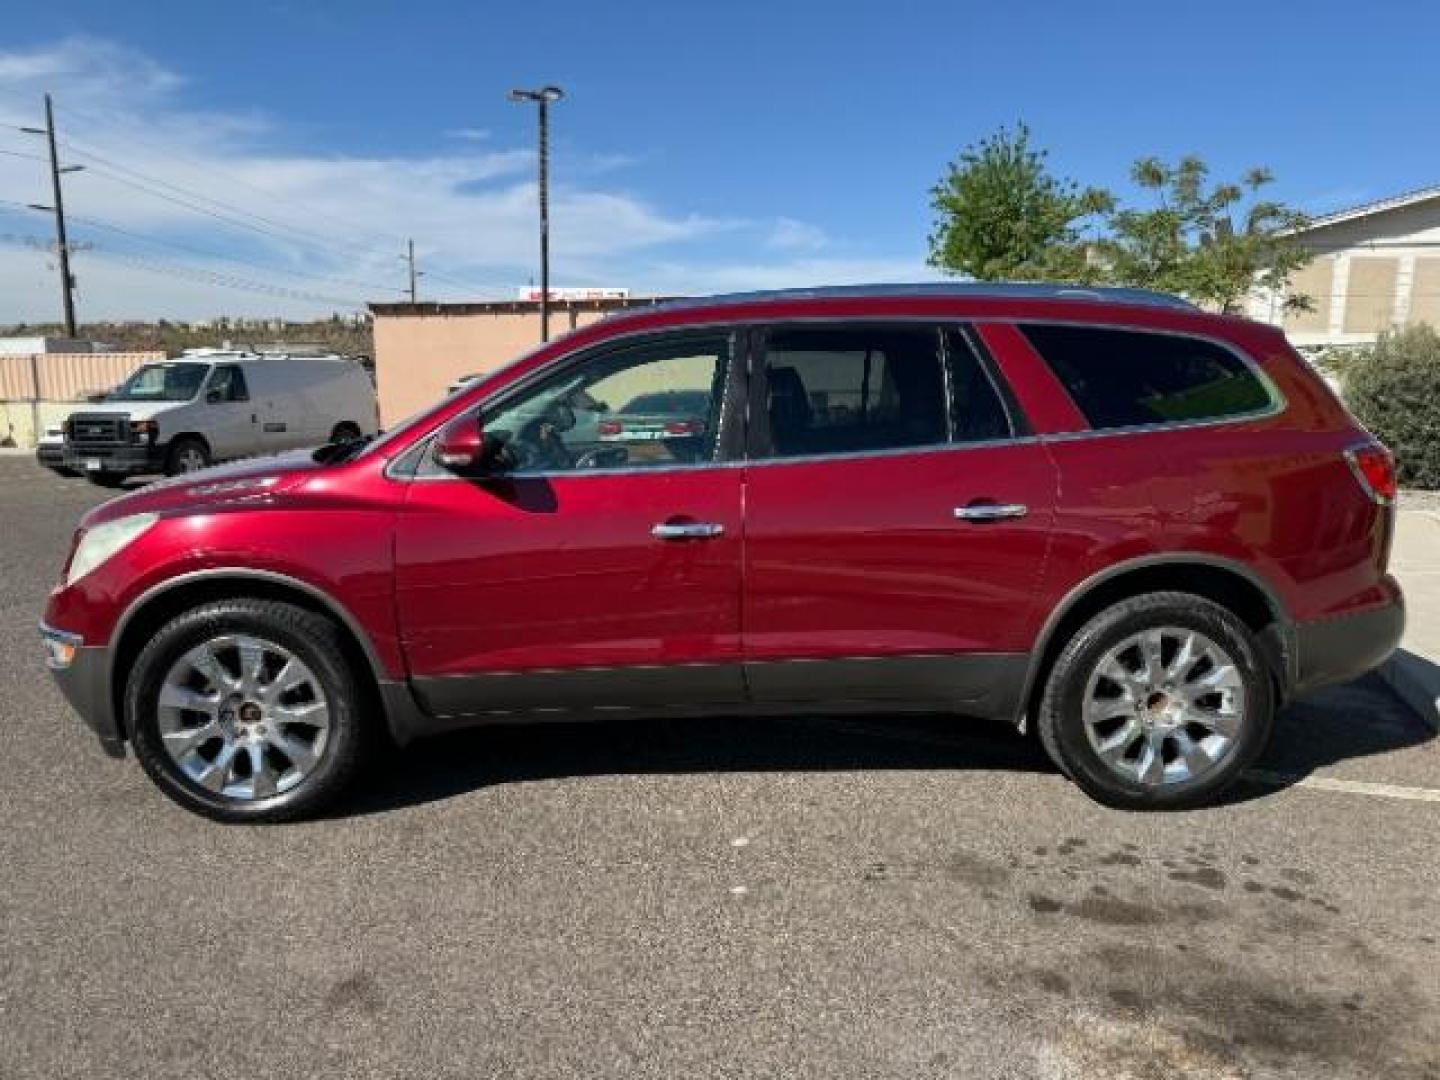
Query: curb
[[1416, 682]]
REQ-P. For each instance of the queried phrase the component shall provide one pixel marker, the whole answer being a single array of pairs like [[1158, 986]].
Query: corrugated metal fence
[[66, 376]]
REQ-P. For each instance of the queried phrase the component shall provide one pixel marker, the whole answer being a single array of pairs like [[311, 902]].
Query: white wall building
[[1377, 267]]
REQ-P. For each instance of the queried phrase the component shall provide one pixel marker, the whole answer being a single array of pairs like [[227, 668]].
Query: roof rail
[[1001, 290]]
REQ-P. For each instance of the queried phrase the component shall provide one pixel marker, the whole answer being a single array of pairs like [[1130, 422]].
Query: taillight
[[609, 427], [1374, 467], [681, 427]]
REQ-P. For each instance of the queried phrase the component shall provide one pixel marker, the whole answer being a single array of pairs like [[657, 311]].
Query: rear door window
[[853, 389], [1131, 378]]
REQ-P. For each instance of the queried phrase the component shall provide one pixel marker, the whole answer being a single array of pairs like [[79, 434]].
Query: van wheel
[[1158, 703], [247, 710], [187, 454], [345, 432]]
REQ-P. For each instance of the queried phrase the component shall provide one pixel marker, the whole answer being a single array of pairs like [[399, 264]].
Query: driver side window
[[651, 405]]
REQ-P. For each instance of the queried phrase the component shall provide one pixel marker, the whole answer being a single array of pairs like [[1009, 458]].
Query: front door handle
[[687, 530], [986, 511]]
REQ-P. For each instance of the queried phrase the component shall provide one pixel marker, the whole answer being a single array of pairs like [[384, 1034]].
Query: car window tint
[[978, 411], [837, 391], [650, 405], [1128, 378]]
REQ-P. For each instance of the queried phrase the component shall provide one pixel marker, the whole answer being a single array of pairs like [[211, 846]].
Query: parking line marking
[[1264, 776], [1348, 787]]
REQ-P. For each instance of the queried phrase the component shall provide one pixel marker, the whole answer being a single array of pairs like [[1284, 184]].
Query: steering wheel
[[603, 457]]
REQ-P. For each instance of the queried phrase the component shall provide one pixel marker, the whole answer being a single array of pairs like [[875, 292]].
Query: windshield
[[161, 382]]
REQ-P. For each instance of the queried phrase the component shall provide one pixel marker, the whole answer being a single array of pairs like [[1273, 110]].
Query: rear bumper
[[1347, 646], [82, 673], [115, 459]]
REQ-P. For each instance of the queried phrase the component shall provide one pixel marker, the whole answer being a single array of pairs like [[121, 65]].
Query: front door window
[[653, 405]]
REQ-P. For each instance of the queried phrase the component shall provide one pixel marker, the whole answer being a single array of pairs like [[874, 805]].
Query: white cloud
[[787, 234], [469, 134], [214, 185]]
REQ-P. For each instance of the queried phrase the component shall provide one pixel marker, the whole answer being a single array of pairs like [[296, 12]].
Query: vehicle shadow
[[1356, 720], [440, 768]]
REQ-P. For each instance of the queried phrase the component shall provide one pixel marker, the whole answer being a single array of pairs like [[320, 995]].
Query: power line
[[231, 215], [233, 178], [208, 277]]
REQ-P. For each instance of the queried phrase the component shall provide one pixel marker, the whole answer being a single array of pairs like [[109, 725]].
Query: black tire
[[106, 479], [312, 638], [1061, 725], [345, 432], [184, 454]]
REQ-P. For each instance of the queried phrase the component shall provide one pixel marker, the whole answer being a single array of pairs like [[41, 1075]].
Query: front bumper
[[83, 675], [51, 455], [129, 459], [1347, 646]]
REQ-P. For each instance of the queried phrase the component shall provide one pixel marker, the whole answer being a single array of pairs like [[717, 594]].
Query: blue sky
[[701, 147]]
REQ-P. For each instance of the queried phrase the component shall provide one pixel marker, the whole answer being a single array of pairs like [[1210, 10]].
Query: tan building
[[1377, 267], [420, 349]]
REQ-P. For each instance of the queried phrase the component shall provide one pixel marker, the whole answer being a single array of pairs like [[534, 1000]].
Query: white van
[[213, 405]]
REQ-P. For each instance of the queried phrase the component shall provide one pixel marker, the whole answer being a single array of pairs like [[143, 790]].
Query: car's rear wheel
[[1158, 703], [247, 710]]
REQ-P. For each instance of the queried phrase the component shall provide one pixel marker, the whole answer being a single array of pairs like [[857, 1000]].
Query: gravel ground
[[809, 898]]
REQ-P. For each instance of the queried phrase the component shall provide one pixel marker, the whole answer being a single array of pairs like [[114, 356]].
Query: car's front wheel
[[1158, 703], [247, 710]]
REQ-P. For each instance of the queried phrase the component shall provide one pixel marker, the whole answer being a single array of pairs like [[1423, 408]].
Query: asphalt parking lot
[[757, 898]]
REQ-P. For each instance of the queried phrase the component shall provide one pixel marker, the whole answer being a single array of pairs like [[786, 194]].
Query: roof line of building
[[1377, 206]]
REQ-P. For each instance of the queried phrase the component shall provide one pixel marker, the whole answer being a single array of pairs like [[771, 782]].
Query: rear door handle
[[687, 530], [991, 511]]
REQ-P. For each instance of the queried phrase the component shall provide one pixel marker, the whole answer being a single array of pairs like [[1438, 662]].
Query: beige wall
[[1425, 293], [420, 351], [1370, 296], [1316, 280], [66, 376]]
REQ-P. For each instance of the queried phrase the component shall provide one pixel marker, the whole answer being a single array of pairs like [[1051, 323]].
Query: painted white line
[[1348, 787], [1275, 779]]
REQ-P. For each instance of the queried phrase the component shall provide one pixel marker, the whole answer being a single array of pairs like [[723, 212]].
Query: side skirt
[[987, 686]]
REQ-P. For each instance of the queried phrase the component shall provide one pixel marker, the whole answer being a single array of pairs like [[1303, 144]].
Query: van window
[[1129, 378], [854, 389], [161, 382], [229, 381]]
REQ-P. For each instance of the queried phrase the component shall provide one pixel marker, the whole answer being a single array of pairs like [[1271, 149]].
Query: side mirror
[[461, 445], [213, 396]]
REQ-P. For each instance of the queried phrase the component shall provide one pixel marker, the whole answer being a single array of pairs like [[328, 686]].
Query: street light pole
[[67, 280], [543, 97]]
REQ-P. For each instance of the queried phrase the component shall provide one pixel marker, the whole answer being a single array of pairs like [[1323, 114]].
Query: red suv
[[1105, 514]]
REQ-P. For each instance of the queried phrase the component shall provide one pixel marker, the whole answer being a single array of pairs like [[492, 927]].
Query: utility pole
[[62, 246], [543, 97], [410, 258]]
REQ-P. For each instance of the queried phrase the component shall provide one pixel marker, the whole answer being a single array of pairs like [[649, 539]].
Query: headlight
[[105, 541]]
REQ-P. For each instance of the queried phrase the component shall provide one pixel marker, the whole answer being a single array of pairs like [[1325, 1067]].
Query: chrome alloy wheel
[[190, 459], [243, 717], [1164, 706]]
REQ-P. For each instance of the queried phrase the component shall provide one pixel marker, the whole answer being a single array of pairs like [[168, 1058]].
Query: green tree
[[1000, 214], [1212, 244], [1392, 387]]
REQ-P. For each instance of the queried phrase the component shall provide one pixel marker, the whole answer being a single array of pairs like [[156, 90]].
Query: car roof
[[959, 290]]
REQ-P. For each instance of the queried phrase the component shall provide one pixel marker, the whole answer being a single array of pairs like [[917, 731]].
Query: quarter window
[[1128, 378]]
